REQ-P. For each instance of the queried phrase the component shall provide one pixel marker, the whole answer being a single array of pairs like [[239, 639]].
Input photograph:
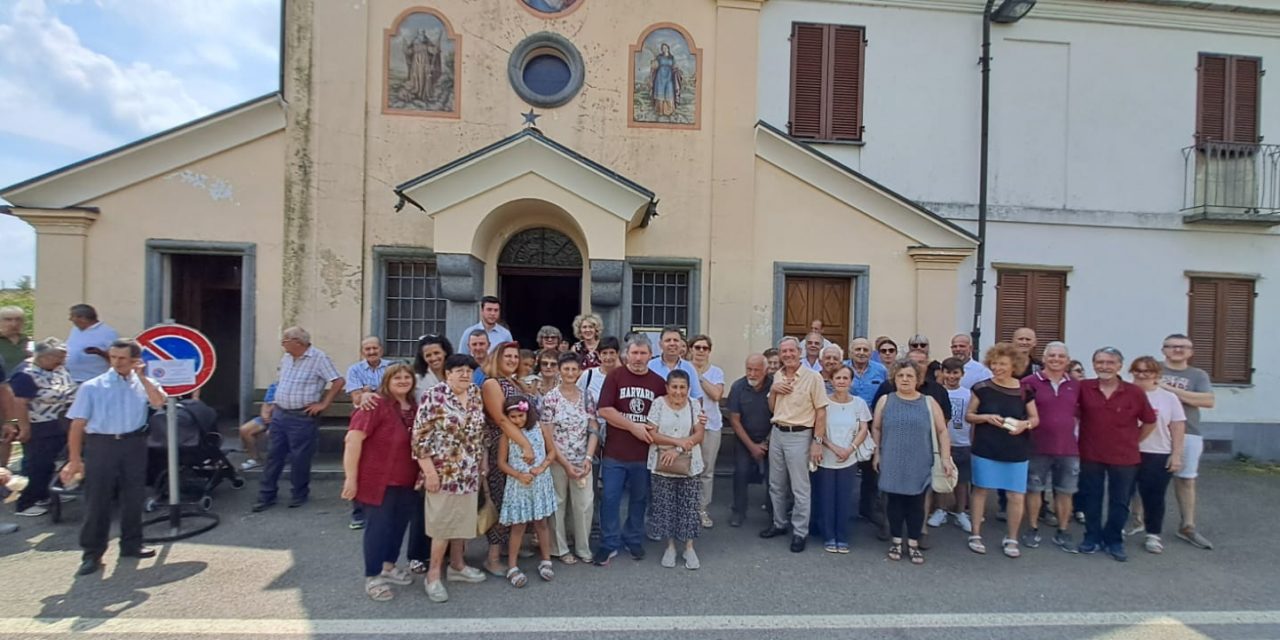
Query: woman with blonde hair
[[588, 328]]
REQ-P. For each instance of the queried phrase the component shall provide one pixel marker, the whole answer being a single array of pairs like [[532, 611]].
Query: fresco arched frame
[[454, 36], [631, 79]]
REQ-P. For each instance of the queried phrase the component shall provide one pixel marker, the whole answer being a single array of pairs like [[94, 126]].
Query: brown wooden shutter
[[808, 54], [1245, 77], [1211, 99], [1050, 288], [1236, 331], [1013, 295], [1202, 324], [846, 83]]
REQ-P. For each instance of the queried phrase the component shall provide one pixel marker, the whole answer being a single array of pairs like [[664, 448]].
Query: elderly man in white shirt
[[87, 344]]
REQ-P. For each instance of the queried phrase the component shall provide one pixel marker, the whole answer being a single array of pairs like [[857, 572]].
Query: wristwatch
[[679, 449], [817, 441]]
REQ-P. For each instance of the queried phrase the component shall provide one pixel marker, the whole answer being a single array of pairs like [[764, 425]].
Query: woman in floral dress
[[501, 384]]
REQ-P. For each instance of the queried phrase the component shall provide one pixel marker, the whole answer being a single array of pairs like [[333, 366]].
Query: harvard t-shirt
[[631, 395]]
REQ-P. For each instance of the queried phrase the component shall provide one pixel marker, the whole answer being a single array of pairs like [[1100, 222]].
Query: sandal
[[417, 566], [917, 557], [569, 558], [895, 551], [378, 589], [544, 570], [516, 577], [976, 546], [396, 575], [1011, 548]]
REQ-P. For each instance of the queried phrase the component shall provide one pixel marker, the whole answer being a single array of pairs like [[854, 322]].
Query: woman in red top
[[381, 474]]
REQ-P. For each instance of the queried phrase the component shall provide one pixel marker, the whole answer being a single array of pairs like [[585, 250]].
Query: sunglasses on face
[[701, 347], [1081, 371], [888, 350], [919, 345]]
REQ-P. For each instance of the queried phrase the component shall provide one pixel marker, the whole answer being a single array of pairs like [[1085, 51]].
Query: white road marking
[[451, 626]]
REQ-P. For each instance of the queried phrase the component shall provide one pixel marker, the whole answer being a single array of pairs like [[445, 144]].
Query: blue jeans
[[293, 440], [632, 477], [385, 527], [1116, 482], [833, 502]]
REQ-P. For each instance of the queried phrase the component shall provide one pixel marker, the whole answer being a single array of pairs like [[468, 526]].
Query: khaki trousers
[[574, 503]]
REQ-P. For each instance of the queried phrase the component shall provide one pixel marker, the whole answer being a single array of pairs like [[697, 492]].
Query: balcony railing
[[1231, 183]]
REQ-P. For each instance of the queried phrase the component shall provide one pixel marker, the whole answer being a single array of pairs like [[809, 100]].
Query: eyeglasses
[[1077, 370], [1177, 346], [1135, 371], [918, 345], [701, 347]]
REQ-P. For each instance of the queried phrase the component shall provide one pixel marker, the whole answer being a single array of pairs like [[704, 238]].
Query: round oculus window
[[546, 70]]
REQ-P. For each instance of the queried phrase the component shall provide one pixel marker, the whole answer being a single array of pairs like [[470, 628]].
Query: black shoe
[[89, 566], [797, 544], [260, 506], [297, 502], [637, 552], [736, 519], [772, 532], [141, 552], [602, 557]]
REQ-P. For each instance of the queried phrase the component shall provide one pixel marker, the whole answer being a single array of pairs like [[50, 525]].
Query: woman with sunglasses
[[1075, 369], [886, 351], [711, 379], [1161, 453]]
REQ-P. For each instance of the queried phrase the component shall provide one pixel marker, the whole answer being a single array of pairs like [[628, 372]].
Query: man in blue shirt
[[108, 422], [490, 312], [868, 374], [671, 340]]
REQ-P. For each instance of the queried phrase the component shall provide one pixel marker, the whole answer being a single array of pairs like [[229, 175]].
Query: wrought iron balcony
[[1231, 183]]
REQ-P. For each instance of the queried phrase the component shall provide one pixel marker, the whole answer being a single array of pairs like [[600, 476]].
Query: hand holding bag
[[683, 464]]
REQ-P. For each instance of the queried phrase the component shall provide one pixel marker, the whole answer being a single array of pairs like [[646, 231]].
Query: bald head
[[755, 369], [860, 351]]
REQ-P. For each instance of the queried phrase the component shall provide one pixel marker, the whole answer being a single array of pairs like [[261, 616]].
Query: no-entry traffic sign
[[178, 357]]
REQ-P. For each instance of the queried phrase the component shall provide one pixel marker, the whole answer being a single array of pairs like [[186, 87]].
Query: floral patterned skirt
[[673, 508]]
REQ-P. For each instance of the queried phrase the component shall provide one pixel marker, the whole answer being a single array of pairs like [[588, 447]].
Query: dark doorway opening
[[205, 293], [539, 283]]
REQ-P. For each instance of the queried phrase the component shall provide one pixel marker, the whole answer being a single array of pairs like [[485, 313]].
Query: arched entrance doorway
[[539, 283]]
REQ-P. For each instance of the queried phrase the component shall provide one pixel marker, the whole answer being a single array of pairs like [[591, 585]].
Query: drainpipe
[[979, 279]]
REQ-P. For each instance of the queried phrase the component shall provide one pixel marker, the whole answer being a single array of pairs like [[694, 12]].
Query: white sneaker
[[249, 465], [33, 511], [938, 518], [962, 521], [706, 520]]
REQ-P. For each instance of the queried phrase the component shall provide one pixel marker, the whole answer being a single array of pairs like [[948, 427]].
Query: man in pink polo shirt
[[1114, 417], [1055, 460]]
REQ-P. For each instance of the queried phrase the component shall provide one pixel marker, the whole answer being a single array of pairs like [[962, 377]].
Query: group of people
[[496, 441]]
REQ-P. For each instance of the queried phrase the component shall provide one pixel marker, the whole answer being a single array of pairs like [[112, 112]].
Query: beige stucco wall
[[175, 206], [820, 229]]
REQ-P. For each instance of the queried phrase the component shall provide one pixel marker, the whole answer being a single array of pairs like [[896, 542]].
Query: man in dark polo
[[751, 419], [108, 426], [1114, 417]]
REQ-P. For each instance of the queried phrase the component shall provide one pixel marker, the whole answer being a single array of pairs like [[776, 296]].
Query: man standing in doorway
[[1195, 390], [490, 312], [624, 404], [974, 371], [672, 343], [1114, 417], [87, 344], [816, 327], [799, 407], [751, 420], [300, 398], [108, 423]]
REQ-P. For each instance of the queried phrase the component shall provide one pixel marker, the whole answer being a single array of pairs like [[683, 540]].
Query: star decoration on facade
[[531, 118]]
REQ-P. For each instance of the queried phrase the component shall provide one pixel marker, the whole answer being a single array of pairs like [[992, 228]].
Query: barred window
[[659, 298], [412, 305]]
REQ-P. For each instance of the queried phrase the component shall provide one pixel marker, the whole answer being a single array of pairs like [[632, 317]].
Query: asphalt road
[[297, 573]]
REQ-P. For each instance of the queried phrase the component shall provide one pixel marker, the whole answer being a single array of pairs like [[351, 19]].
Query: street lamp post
[[1008, 12]]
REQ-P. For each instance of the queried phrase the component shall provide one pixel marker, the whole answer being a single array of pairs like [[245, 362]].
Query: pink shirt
[[1168, 410], [1058, 407]]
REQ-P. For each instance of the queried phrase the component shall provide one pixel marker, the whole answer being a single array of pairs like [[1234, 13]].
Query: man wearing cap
[[43, 391], [108, 423]]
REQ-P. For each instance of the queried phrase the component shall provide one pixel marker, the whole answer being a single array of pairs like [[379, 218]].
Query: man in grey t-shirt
[[1195, 390]]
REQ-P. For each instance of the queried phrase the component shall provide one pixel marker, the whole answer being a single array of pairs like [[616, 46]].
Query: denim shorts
[[1062, 473]]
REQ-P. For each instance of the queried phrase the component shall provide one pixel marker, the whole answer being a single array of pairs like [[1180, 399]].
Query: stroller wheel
[[206, 503], [150, 505], [237, 483]]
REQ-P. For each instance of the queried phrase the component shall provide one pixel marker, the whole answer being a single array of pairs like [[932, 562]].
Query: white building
[[1096, 181]]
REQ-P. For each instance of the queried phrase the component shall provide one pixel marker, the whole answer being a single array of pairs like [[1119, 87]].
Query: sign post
[[181, 360]]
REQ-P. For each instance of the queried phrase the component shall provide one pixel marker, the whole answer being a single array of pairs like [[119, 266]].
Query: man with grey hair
[[799, 406], [43, 391], [88, 343], [1055, 457], [751, 420], [363, 379], [300, 397], [13, 342], [812, 347], [625, 398], [832, 358]]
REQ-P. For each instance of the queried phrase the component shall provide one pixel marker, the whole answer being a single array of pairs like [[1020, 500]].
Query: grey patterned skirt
[[673, 508]]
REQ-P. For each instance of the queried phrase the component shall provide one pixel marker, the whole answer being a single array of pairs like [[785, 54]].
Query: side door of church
[[810, 298]]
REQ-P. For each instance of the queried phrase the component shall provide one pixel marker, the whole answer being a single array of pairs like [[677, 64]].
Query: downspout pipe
[[979, 279]]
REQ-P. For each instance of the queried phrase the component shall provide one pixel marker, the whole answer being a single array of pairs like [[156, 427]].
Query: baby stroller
[[202, 465]]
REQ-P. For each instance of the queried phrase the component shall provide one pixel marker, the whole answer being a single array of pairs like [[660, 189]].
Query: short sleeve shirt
[[110, 404], [570, 423], [996, 443], [1057, 405], [362, 376], [1110, 427], [674, 423], [752, 407], [303, 380], [631, 395], [843, 419], [799, 408], [659, 367], [83, 366], [1168, 410], [1189, 379], [866, 383], [48, 393], [386, 459], [974, 372], [715, 419], [959, 430], [450, 430]]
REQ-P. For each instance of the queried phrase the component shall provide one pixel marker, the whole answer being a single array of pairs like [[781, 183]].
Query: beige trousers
[[710, 450], [574, 503]]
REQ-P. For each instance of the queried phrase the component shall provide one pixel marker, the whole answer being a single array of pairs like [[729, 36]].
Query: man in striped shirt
[[300, 397]]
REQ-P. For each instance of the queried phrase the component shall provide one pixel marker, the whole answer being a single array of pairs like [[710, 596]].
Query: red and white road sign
[[178, 357]]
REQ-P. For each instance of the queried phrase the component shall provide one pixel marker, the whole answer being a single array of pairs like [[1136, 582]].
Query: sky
[[79, 77]]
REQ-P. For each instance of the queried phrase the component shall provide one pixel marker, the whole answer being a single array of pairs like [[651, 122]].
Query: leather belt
[[121, 436], [789, 429]]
